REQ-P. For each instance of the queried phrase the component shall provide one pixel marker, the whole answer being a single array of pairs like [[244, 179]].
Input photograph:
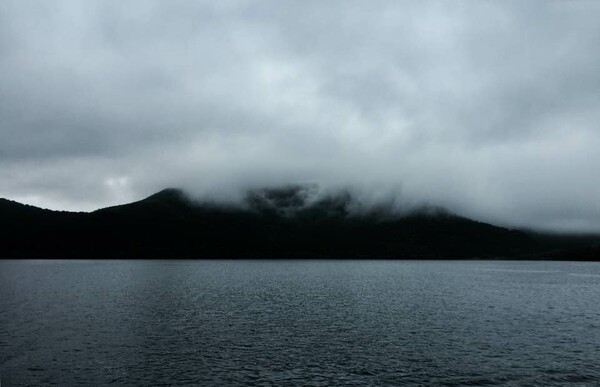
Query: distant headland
[[270, 223]]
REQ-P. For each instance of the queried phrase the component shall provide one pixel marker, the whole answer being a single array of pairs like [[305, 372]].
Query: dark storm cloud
[[489, 108]]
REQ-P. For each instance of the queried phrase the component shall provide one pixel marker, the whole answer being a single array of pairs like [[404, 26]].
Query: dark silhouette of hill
[[269, 223], [581, 253]]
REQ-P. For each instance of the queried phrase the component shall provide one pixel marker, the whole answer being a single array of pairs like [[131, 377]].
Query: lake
[[299, 322]]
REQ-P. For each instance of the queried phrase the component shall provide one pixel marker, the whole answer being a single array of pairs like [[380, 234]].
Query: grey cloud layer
[[489, 108]]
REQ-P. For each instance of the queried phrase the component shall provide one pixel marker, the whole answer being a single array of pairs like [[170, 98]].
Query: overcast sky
[[489, 108]]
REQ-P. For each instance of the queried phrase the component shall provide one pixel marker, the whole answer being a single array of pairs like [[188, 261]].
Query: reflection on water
[[299, 322]]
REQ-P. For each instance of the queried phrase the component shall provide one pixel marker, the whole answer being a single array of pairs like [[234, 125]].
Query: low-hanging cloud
[[491, 109]]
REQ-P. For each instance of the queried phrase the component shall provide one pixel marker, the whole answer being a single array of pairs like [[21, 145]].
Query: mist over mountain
[[295, 199], [218, 131], [488, 109], [287, 222]]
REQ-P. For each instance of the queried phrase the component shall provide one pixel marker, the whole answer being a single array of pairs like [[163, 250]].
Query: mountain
[[268, 223]]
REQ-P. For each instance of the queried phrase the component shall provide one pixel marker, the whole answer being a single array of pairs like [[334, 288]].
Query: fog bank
[[490, 109]]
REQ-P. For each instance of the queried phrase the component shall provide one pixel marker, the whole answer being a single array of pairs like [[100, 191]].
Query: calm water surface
[[299, 323]]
